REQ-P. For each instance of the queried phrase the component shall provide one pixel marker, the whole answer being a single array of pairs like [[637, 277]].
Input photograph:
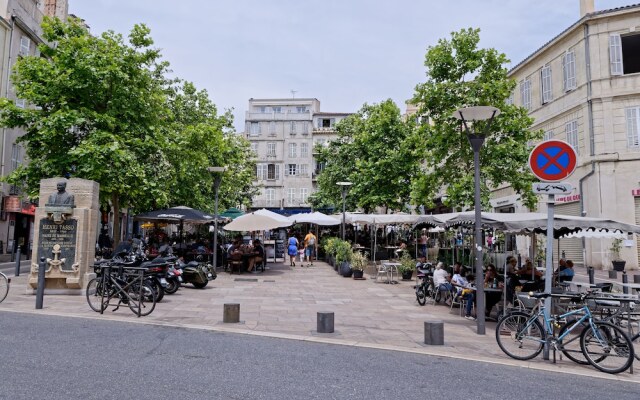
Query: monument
[[66, 223]]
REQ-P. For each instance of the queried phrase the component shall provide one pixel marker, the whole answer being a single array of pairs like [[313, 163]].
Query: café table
[[390, 267]]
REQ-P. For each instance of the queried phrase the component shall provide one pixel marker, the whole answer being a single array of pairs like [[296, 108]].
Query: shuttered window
[[615, 54], [571, 129], [525, 93], [545, 82], [632, 115], [569, 71]]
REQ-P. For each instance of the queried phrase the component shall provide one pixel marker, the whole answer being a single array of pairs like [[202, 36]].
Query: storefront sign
[[12, 204], [28, 208], [635, 192], [567, 199]]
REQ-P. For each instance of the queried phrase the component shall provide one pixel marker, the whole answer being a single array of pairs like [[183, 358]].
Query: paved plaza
[[283, 301]]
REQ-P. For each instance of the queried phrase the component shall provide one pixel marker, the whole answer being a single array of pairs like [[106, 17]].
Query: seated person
[[526, 273], [258, 257], [441, 279], [566, 274], [562, 265], [401, 249], [512, 278], [465, 291], [491, 277]]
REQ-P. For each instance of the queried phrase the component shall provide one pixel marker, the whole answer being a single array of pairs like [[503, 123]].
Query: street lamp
[[474, 114], [217, 178], [345, 188]]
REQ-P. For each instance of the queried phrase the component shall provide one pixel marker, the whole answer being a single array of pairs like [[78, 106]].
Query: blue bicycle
[[521, 336]]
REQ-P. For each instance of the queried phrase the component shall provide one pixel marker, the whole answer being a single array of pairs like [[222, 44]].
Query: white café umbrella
[[284, 221], [254, 222], [317, 218]]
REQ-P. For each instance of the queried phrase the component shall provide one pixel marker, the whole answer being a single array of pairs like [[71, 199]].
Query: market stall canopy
[[254, 222], [316, 217], [537, 222], [177, 215], [232, 213]]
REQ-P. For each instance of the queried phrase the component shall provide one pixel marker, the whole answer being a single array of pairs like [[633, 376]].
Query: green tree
[[459, 74], [200, 138], [374, 153]]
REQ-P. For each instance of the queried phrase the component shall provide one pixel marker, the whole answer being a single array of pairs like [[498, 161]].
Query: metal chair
[[382, 269]]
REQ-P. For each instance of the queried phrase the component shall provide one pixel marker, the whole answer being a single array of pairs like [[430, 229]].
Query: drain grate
[[246, 280]]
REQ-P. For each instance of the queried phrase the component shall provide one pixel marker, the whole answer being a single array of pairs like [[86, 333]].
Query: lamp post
[[345, 188], [476, 139], [217, 178]]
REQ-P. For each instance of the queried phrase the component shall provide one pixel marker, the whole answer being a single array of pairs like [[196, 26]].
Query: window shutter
[[277, 171], [615, 54], [565, 73]]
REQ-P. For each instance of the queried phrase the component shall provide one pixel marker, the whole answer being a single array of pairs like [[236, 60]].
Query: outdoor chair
[[381, 269], [461, 302]]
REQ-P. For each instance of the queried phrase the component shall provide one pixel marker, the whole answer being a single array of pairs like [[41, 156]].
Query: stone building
[[20, 35], [583, 87], [283, 134]]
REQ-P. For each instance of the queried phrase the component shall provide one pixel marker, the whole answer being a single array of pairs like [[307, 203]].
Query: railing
[[324, 130], [271, 116]]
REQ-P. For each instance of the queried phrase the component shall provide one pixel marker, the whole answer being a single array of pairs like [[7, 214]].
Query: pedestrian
[[310, 247], [292, 249]]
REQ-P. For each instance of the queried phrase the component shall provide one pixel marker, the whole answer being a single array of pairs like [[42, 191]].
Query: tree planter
[[618, 265], [357, 274], [406, 276], [345, 270]]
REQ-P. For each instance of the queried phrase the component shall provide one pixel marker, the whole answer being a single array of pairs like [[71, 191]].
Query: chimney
[[586, 7]]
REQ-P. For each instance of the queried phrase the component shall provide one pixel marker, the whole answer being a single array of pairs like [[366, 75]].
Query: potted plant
[[407, 266], [330, 249], [618, 263], [359, 262], [343, 257]]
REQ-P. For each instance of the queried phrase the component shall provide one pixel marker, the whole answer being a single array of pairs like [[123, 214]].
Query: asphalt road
[[44, 357]]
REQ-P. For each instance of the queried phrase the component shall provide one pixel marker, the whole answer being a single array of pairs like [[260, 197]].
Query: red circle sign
[[553, 160]]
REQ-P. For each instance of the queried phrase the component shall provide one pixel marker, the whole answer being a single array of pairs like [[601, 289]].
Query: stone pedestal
[[66, 237]]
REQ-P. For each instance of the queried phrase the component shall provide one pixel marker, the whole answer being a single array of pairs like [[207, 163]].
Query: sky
[[345, 53]]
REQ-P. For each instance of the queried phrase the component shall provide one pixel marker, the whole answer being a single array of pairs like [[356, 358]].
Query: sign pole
[[548, 274]]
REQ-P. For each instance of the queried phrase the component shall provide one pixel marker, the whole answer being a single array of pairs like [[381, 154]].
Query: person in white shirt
[[459, 280], [441, 279]]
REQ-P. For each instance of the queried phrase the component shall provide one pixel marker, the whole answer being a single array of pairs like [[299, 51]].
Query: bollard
[[592, 277], [325, 322], [613, 274], [231, 313], [18, 261], [434, 333], [625, 279], [42, 266], [636, 279]]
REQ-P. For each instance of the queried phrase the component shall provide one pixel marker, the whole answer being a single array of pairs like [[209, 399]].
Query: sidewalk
[[283, 302]]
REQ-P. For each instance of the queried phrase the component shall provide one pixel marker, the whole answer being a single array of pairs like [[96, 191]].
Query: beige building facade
[[583, 87], [283, 134], [20, 35]]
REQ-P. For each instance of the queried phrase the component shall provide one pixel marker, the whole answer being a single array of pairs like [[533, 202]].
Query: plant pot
[[618, 265], [406, 276], [345, 269], [357, 274]]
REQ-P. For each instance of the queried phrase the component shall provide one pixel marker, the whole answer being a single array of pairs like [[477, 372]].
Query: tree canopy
[[102, 108], [459, 74], [373, 152]]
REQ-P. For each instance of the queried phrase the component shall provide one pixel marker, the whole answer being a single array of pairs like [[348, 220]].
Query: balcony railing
[[317, 130], [271, 116]]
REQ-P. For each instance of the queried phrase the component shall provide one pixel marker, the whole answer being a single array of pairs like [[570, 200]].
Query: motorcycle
[[197, 273]]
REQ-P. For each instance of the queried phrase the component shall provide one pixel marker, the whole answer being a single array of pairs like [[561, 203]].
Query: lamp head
[[216, 169], [476, 113]]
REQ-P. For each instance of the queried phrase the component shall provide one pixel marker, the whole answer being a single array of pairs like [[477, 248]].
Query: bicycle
[[4, 286], [127, 285], [603, 345]]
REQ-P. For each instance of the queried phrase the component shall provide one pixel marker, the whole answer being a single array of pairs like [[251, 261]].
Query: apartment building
[[583, 87], [283, 134], [20, 35]]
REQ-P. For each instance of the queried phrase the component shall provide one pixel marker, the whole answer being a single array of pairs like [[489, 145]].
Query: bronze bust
[[61, 197]]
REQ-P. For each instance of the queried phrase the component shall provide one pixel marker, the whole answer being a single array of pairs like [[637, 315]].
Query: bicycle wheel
[[607, 347], [97, 299], [147, 301], [4, 286], [518, 337], [421, 295], [570, 344]]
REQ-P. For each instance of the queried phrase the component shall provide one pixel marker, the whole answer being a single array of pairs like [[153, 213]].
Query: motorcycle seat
[[192, 264]]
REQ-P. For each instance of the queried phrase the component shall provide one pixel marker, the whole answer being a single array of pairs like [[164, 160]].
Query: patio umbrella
[[317, 218], [176, 215], [284, 221], [254, 222], [232, 213]]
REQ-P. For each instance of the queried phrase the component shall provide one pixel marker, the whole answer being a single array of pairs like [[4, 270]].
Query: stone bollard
[[592, 276], [434, 332], [231, 314], [613, 274], [636, 279], [325, 322]]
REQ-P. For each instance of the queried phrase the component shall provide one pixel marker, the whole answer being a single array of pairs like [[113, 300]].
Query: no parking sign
[[553, 160]]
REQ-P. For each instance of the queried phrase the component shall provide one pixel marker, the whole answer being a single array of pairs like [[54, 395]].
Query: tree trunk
[[115, 205]]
